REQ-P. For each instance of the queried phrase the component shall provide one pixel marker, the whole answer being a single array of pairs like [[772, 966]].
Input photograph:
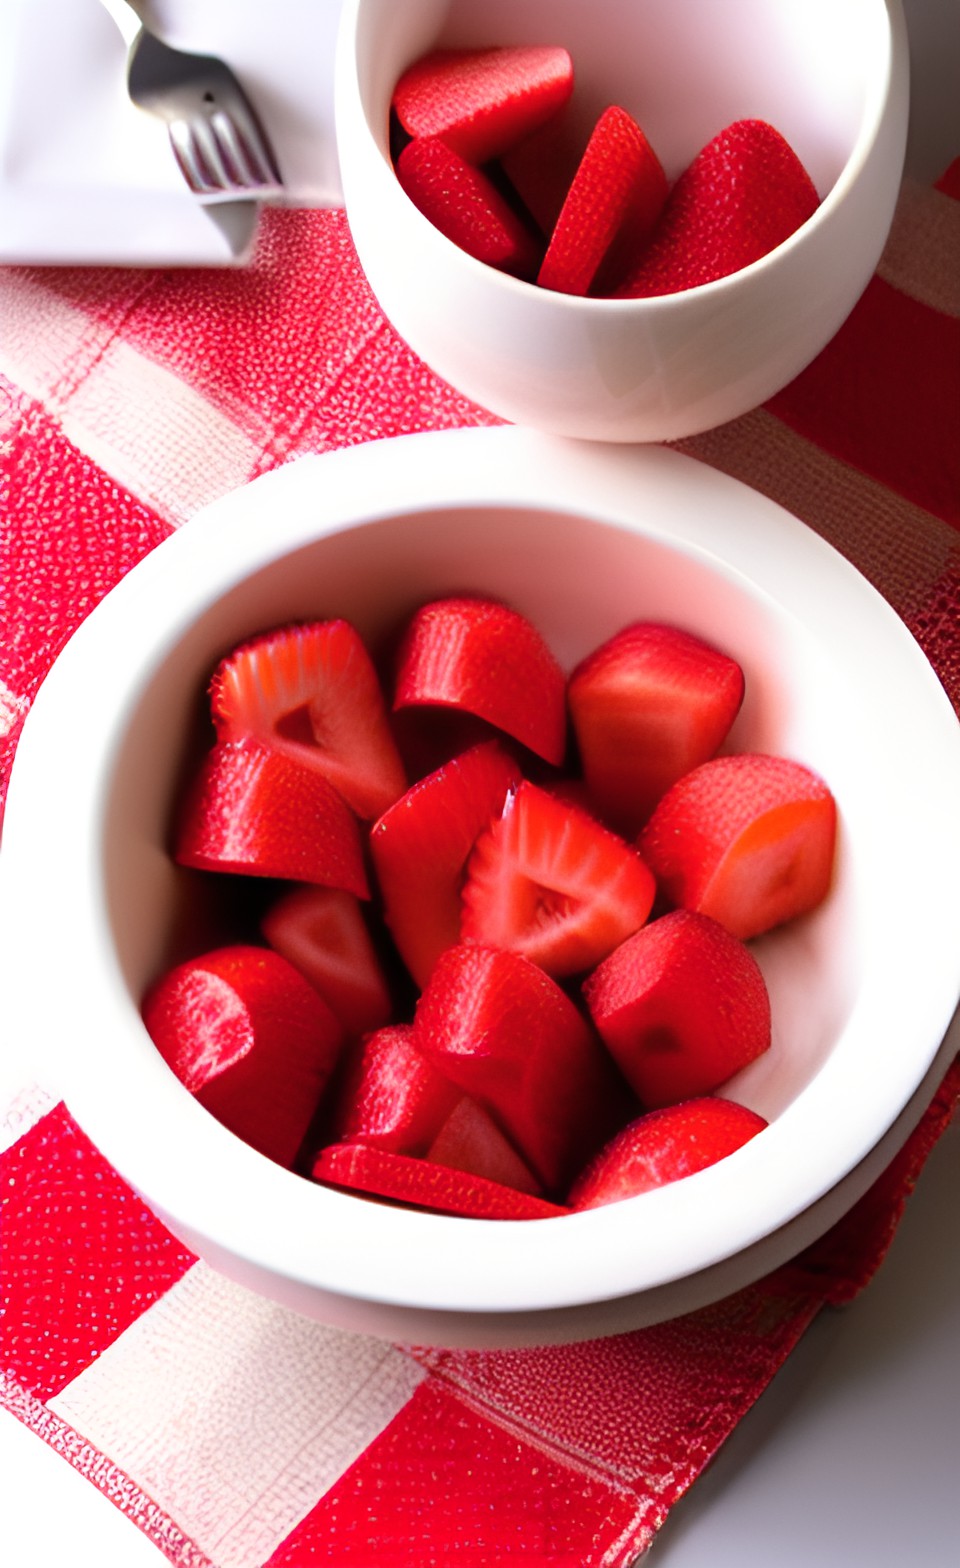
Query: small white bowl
[[583, 539], [832, 78]]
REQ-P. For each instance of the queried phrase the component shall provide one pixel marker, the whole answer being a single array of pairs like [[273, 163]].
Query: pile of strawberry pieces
[[480, 150], [486, 925]]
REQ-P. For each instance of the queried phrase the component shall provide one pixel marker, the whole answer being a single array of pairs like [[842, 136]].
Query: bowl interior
[[685, 69]]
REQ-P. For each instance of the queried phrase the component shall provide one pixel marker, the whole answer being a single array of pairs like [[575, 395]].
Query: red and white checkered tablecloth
[[235, 1433]]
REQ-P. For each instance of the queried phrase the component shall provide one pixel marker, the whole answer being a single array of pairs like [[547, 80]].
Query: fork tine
[[187, 154], [242, 157]]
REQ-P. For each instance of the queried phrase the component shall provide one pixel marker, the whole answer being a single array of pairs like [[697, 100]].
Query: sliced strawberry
[[478, 656], [421, 845], [425, 1185], [502, 1030], [616, 196], [392, 1096], [664, 1146], [312, 692], [251, 1039], [748, 839], [259, 812], [681, 1006], [323, 933], [480, 101], [744, 194], [470, 1140], [547, 880], [464, 204], [647, 706]]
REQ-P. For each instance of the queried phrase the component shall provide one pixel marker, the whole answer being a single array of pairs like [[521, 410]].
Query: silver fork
[[217, 139]]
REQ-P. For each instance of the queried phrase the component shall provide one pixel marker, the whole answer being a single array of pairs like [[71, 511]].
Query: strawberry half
[[744, 194], [478, 656], [425, 1185], [312, 692], [421, 845], [681, 1006], [470, 1140], [615, 197], [460, 201], [323, 933], [665, 1146], [647, 706], [251, 1039], [502, 1030], [392, 1097], [480, 101], [259, 812], [548, 881], [747, 839]]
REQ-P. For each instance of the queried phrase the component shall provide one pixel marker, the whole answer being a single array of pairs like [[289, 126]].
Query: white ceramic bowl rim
[[72, 1001]]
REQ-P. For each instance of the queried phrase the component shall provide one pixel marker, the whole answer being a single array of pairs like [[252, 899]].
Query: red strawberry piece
[[747, 839], [681, 1006], [259, 812], [664, 1146], [251, 1039], [648, 706], [312, 692], [616, 195], [392, 1096], [478, 656], [421, 845], [464, 204], [501, 1029], [549, 881], [744, 194], [425, 1185], [470, 1140], [480, 101], [323, 933]]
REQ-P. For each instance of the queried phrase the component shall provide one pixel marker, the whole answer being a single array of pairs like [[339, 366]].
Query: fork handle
[[125, 17]]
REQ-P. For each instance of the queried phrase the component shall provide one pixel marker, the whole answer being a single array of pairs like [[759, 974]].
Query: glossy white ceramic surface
[[832, 78], [583, 539]]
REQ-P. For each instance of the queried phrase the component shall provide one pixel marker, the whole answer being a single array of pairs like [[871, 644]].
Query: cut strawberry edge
[[323, 933], [615, 198], [464, 204], [549, 881], [252, 811], [483, 657], [392, 1097], [310, 690], [664, 1146], [481, 101], [424, 1185], [250, 1039], [470, 1140]]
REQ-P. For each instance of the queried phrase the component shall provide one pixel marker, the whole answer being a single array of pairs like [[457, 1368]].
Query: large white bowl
[[583, 539], [833, 79]]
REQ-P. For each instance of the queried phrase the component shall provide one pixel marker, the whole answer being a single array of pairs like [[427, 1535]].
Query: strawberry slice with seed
[[323, 933], [422, 1184], [392, 1097], [742, 196], [464, 204], [507, 1035], [665, 1146], [480, 101], [481, 657], [421, 845], [258, 812], [471, 1141], [748, 839], [251, 1039], [681, 1006], [614, 200], [647, 706], [549, 881], [311, 692]]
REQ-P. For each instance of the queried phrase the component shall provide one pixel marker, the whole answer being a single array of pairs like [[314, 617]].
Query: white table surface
[[851, 1459]]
